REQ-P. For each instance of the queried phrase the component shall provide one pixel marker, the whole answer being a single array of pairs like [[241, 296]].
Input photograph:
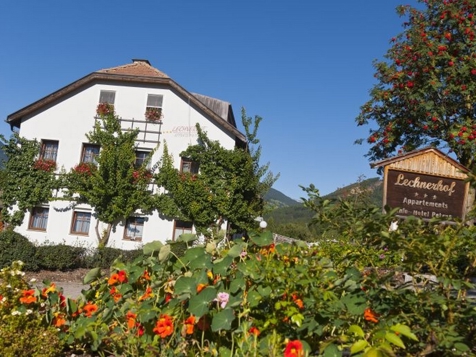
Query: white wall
[[68, 121]]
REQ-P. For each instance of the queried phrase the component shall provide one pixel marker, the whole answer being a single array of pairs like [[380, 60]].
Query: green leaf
[[164, 252], [263, 239], [357, 330], [92, 275], [332, 351], [223, 320], [236, 250], [394, 339], [193, 254], [224, 352], [202, 262], [264, 292], [199, 304], [373, 352], [220, 266], [404, 330], [461, 347], [152, 247], [237, 284], [187, 237], [254, 298], [358, 346], [185, 285]]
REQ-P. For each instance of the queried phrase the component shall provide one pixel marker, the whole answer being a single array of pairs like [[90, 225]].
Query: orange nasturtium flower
[[58, 320], [89, 309], [147, 294], [164, 326], [146, 275], [28, 296], [254, 331], [115, 294], [294, 349], [189, 324], [200, 287], [369, 315], [119, 277], [122, 276], [50, 289], [131, 320]]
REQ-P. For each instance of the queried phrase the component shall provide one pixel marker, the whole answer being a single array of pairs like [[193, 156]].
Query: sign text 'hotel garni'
[[425, 196]]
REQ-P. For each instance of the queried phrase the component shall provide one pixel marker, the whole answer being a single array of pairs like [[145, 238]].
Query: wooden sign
[[426, 183], [425, 196]]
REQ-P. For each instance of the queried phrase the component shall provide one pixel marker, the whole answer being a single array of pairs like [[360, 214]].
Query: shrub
[[104, 257], [14, 246], [60, 257]]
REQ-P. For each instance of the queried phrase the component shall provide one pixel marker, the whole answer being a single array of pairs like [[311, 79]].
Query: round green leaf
[[198, 304], [223, 320]]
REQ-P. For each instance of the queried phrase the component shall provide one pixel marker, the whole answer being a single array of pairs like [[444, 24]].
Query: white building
[[61, 120]]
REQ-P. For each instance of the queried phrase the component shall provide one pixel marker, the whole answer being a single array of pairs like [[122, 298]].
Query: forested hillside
[[292, 220]]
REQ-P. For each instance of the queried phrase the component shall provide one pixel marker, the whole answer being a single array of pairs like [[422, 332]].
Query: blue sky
[[304, 66]]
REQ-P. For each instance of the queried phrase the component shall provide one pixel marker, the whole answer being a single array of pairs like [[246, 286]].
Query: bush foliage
[[14, 246], [371, 292]]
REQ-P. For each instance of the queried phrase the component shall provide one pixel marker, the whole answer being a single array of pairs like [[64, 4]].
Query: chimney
[[138, 60]]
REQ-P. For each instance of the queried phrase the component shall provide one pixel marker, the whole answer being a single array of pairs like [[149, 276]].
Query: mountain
[[293, 211], [275, 199]]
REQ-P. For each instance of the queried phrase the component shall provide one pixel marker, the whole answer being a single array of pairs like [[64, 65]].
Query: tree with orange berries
[[425, 93]]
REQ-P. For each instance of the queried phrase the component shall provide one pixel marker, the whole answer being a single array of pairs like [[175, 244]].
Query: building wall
[[69, 119]]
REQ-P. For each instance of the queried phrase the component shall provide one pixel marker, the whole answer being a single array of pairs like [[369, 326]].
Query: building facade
[[61, 120]]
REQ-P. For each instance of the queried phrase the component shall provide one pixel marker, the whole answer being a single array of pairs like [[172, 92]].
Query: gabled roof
[[138, 67], [424, 160], [138, 72]]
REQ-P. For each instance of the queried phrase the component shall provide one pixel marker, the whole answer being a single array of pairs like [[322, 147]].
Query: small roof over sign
[[427, 160]]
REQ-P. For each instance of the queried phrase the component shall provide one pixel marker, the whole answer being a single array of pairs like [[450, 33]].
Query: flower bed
[[247, 298]]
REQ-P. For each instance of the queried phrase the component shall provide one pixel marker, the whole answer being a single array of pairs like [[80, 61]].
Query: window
[[89, 153], [107, 96], [141, 157], [189, 166], [49, 150], [80, 223], [39, 218], [134, 228], [154, 101], [182, 227]]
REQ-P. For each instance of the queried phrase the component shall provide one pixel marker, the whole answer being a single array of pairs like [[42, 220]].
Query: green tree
[[115, 188], [229, 186], [426, 86], [27, 180]]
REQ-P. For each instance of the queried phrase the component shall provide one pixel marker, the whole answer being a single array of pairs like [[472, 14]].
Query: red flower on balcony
[[142, 175], [45, 165], [104, 109], [85, 168], [153, 114]]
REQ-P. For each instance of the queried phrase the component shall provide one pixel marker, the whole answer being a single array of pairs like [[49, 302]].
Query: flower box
[[85, 168], [104, 109], [45, 165], [153, 114]]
